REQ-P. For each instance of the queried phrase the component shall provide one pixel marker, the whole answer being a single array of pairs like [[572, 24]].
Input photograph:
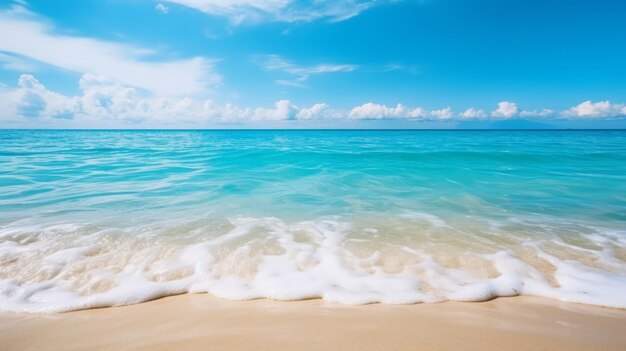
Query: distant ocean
[[102, 218]]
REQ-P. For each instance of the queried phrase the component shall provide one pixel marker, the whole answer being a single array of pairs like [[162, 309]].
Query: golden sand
[[201, 322]]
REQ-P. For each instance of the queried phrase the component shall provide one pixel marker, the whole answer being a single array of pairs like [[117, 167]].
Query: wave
[[410, 258]]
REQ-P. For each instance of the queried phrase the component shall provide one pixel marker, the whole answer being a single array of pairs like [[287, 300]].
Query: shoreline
[[200, 322]]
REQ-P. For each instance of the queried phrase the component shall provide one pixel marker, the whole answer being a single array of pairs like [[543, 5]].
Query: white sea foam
[[68, 266]]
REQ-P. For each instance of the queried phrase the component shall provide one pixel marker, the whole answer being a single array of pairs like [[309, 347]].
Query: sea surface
[[102, 218]]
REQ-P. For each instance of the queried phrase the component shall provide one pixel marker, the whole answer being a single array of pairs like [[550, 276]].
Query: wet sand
[[202, 322]]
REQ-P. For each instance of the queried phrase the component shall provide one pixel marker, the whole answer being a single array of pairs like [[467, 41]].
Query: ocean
[[104, 218]]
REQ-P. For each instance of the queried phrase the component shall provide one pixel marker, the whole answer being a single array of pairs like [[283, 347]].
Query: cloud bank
[[106, 102], [601, 109], [375, 111]]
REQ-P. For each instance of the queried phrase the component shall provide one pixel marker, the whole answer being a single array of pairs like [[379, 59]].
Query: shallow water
[[101, 218]]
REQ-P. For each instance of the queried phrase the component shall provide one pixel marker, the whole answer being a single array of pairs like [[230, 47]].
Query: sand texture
[[200, 322]]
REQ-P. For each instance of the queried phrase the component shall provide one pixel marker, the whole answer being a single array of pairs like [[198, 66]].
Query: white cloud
[[162, 8], [104, 102], [283, 110], [317, 111], [375, 111], [134, 66], [534, 113], [472, 113], [416, 113], [506, 110], [444, 113], [255, 11], [601, 109], [32, 100], [302, 73]]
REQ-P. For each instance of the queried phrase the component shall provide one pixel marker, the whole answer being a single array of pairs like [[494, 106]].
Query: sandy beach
[[201, 322]]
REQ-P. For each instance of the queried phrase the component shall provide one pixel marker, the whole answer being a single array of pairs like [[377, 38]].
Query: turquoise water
[[101, 218]]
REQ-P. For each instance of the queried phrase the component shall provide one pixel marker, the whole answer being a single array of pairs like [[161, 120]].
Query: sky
[[312, 64]]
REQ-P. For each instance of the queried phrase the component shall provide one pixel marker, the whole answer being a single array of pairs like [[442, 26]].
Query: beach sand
[[202, 322]]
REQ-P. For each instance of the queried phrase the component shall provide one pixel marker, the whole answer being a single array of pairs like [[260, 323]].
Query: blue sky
[[312, 64]]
